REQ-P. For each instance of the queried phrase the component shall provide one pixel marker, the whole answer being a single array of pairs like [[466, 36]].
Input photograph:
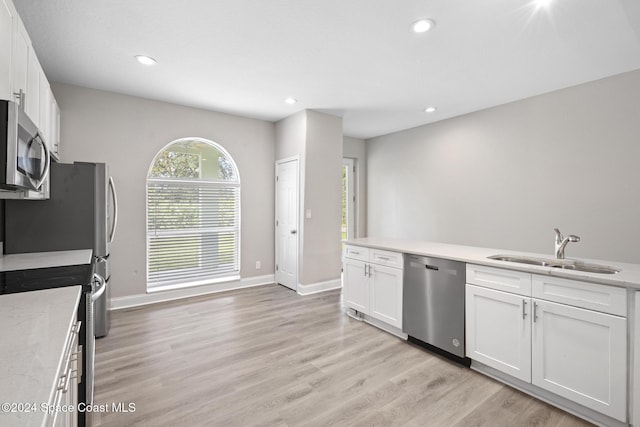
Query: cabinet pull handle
[[524, 308], [384, 258], [535, 312], [355, 252], [365, 270]]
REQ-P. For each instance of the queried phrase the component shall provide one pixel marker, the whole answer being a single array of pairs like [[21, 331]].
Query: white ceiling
[[354, 58]]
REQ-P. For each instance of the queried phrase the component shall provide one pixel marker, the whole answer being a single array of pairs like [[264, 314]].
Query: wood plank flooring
[[266, 356]]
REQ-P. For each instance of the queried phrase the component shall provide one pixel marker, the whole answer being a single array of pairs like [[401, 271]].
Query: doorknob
[[294, 231]]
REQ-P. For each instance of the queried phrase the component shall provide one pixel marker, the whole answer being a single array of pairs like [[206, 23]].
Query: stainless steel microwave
[[24, 156]]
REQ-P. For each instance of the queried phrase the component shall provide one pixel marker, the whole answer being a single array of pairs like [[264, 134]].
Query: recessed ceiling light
[[422, 26], [290, 101], [543, 3], [146, 60], [430, 109]]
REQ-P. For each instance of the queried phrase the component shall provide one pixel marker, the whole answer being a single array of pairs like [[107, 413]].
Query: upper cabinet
[[54, 130], [19, 61], [49, 117], [32, 95], [6, 45], [23, 80]]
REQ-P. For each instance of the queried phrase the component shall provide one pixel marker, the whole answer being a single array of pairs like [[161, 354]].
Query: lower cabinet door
[[581, 355], [498, 330], [386, 294], [355, 285]]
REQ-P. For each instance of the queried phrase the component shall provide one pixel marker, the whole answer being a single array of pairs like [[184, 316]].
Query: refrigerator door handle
[[115, 209], [97, 293]]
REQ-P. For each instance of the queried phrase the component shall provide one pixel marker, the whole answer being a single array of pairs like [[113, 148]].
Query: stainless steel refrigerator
[[81, 214]]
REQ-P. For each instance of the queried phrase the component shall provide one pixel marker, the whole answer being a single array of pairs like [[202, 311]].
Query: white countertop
[[35, 328], [45, 259], [629, 275]]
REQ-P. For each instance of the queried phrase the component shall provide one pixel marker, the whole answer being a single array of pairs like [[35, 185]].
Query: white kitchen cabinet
[[66, 388], [356, 285], [49, 118], [20, 61], [498, 330], [44, 108], [54, 123], [516, 282], [372, 283], [564, 336], [356, 252], [32, 96], [581, 355], [592, 296], [7, 15], [386, 294], [22, 78]]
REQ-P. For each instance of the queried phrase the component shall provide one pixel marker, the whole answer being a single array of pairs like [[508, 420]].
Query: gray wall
[[356, 149], [317, 138], [291, 136], [323, 195], [127, 132], [506, 176]]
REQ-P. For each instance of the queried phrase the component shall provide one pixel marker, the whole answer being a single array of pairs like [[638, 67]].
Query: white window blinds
[[193, 217]]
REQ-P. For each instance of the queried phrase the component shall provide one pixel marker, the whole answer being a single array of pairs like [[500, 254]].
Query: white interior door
[[287, 232]]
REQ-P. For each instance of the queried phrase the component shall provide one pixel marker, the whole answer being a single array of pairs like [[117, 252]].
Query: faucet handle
[[559, 236], [573, 238]]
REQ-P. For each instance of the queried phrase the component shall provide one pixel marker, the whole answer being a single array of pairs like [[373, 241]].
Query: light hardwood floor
[[266, 356]]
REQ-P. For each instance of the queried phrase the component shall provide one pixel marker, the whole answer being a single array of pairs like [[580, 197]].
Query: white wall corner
[[315, 288], [152, 298]]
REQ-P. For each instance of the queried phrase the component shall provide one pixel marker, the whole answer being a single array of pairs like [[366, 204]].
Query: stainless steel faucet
[[561, 242]]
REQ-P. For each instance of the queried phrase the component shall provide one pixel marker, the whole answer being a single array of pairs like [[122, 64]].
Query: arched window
[[193, 216]]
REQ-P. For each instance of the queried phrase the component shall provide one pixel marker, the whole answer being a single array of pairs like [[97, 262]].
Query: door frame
[[351, 197], [279, 162]]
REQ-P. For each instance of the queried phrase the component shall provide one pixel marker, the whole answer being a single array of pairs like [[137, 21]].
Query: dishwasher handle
[[442, 270]]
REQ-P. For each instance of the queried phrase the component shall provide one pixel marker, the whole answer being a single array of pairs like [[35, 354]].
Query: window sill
[[193, 284]]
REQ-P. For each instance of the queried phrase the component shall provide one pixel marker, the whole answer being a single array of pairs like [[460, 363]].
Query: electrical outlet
[[308, 214], [257, 265]]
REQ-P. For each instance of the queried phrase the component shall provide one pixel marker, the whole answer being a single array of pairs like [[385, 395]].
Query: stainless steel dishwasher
[[433, 302]]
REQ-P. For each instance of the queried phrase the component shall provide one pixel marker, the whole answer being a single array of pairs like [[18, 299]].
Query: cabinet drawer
[[390, 259], [356, 252], [603, 298], [515, 282]]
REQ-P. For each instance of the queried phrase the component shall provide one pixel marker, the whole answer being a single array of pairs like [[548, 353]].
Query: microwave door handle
[[25, 161], [112, 185], [47, 163], [37, 182]]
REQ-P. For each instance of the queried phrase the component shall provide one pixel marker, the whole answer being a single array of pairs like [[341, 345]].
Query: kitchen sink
[[557, 263]]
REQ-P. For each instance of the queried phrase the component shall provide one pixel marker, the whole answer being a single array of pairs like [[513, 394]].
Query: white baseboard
[[155, 297], [314, 288]]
